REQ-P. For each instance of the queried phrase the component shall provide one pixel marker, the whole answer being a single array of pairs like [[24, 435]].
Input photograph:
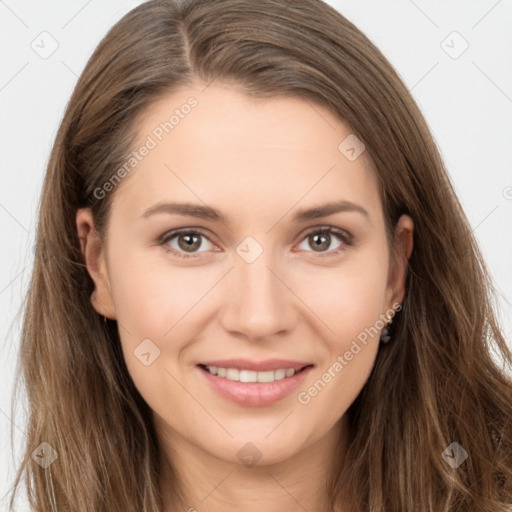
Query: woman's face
[[254, 276]]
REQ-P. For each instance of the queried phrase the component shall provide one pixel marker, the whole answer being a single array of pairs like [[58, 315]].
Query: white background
[[467, 102]]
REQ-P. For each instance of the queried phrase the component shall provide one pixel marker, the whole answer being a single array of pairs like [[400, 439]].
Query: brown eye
[[188, 242], [321, 240]]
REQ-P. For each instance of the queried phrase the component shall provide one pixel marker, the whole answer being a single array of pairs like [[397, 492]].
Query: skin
[[258, 161]]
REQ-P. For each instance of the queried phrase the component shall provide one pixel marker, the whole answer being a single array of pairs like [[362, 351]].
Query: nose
[[259, 303]]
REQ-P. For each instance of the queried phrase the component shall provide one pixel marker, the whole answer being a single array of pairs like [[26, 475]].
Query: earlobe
[[94, 256]]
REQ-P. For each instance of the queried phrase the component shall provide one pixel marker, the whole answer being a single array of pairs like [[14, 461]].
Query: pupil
[[189, 243], [317, 237]]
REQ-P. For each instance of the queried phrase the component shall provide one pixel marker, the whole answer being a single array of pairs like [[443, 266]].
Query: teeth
[[232, 374], [268, 376], [252, 376], [248, 376], [279, 374]]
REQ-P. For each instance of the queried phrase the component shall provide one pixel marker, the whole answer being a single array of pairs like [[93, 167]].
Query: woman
[[255, 288]]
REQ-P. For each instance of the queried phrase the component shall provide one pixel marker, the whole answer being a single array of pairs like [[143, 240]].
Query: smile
[[252, 388], [251, 376]]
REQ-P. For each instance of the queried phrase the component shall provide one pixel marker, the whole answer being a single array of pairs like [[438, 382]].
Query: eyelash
[[344, 236]]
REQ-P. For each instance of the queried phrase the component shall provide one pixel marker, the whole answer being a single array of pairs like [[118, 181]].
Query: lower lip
[[255, 394]]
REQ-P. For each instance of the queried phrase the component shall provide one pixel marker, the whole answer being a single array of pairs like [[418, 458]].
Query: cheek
[[149, 303], [350, 303], [157, 308], [348, 298], [150, 296], [352, 313], [334, 388]]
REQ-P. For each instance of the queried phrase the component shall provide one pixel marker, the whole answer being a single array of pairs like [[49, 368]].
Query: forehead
[[218, 146]]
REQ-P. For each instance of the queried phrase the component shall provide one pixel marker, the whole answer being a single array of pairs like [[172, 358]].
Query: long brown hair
[[436, 383]]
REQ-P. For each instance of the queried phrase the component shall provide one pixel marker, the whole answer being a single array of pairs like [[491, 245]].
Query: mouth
[[240, 375], [252, 388]]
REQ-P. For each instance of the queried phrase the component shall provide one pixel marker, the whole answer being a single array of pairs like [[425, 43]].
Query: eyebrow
[[210, 213]]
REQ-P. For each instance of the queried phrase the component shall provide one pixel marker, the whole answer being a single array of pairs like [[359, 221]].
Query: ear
[[404, 231], [95, 260]]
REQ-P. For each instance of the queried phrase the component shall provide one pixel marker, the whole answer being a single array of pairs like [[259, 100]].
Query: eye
[[188, 242], [321, 238]]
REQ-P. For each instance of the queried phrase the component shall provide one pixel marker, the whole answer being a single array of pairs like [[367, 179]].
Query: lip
[[257, 366], [254, 394]]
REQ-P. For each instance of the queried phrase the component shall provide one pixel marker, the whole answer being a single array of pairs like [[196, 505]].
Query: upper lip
[[257, 366]]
